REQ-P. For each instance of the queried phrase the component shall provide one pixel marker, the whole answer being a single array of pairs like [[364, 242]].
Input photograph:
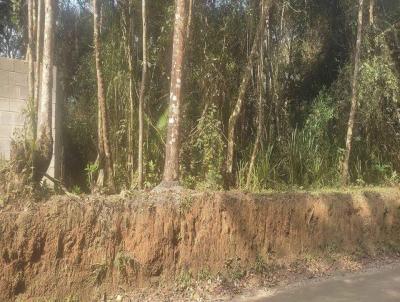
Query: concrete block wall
[[13, 102]]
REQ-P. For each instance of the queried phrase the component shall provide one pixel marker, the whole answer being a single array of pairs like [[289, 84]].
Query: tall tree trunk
[[242, 93], [371, 12], [131, 121], [171, 168], [353, 109], [142, 95], [76, 35], [189, 21], [44, 144], [34, 23], [260, 111], [128, 36], [31, 58], [39, 50], [105, 156]]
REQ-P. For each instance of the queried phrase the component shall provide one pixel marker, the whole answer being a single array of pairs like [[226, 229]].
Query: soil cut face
[[83, 248]]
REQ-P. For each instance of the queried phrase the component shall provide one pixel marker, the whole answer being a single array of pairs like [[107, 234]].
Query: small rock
[[119, 298]]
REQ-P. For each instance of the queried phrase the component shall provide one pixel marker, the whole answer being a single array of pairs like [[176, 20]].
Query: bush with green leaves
[[376, 140], [209, 144]]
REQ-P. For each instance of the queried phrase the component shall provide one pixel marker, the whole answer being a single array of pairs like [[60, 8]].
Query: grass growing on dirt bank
[[334, 189]]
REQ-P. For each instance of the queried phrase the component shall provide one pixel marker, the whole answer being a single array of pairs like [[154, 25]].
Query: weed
[[260, 265], [332, 248], [123, 262], [72, 298], [393, 179], [76, 190], [91, 170], [234, 269], [99, 273], [3, 163], [186, 204], [184, 280], [204, 275]]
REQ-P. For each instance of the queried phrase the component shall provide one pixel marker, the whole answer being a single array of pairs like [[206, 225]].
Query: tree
[[142, 95], [242, 92], [30, 50], [353, 109], [260, 109], [11, 37], [38, 50], [44, 144], [105, 156], [171, 167], [371, 12], [127, 29]]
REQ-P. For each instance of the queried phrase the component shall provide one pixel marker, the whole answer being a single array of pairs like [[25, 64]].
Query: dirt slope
[[83, 247]]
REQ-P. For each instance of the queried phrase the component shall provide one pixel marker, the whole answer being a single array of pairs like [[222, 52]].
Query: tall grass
[[305, 158]]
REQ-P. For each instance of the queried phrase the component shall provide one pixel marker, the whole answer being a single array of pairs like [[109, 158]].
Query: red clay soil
[[85, 247]]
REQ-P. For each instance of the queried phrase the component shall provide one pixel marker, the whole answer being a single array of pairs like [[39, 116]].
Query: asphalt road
[[373, 286]]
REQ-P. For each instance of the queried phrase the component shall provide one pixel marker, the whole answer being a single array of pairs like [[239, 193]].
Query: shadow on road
[[374, 286]]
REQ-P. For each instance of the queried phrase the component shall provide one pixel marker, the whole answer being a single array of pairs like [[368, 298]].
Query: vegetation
[[247, 94]]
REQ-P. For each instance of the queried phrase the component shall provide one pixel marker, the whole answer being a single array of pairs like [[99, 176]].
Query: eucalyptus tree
[[44, 143], [261, 85], [38, 57], [104, 150], [371, 11], [31, 49], [353, 109], [171, 167], [142, 94]]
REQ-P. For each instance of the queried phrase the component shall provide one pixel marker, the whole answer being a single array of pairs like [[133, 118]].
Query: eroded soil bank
[[83, 248]]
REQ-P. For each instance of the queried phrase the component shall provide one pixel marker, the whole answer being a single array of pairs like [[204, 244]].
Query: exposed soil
[[187, 245]]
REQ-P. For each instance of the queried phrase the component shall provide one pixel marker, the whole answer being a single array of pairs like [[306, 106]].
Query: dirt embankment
[[84, 247]]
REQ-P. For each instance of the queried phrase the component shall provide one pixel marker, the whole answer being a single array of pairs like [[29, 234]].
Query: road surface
[[372, 286]]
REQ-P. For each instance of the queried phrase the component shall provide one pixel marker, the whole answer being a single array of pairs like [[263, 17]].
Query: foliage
[[377, 136], [76, 190], [91, 171], [306, 158], [209, 143], [308, 63], [11, 21], [184, 280]]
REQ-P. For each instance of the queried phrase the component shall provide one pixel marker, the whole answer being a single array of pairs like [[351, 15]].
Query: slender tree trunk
[[171, 168], [131, 117], [189, 21], [31, 52], [260, 111], [39, 50], [270, 80], [105, 156], [371, 12], [142, 95], [44, 144], [34, 23], [353, 109], [100, 92], [275, 69], [76, 35], [129, 52], [242, 93]]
